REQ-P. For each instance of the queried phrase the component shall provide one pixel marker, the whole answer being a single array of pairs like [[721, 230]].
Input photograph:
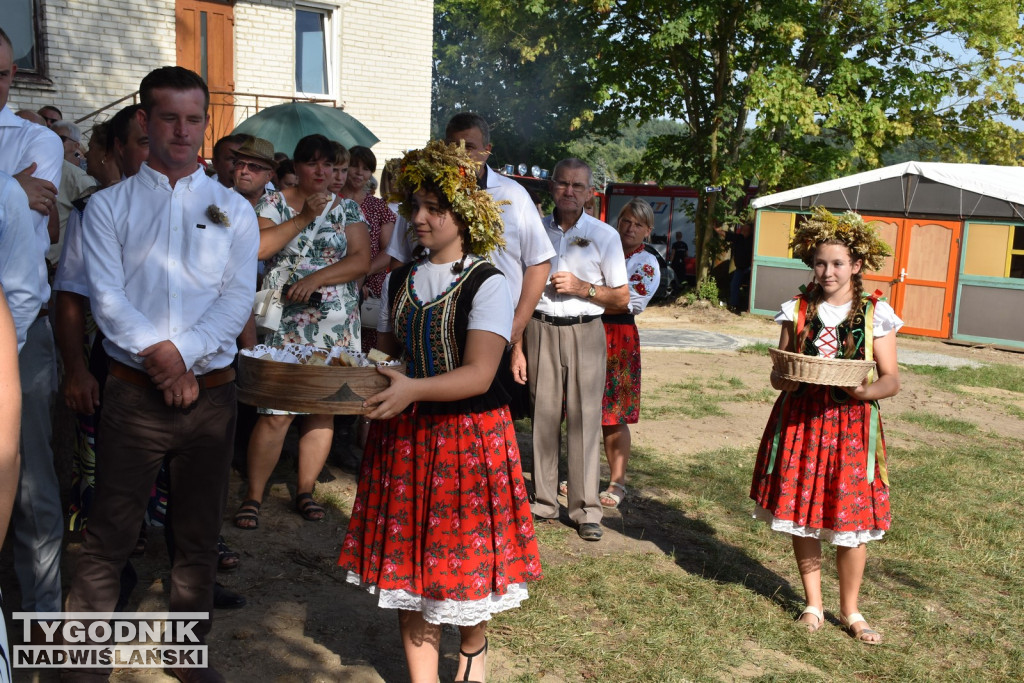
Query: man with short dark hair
[[33, 155], [224, 157], [565, 348], [254, 166], [170, 258], [131, 142], [50, 115]]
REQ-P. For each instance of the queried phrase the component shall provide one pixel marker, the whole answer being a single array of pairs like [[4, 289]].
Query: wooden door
[[206, 45], [924, 275], [890, 230]]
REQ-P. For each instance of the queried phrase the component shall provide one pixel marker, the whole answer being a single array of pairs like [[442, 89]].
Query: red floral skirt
[[621, 403], [441, 517], [819, 484]]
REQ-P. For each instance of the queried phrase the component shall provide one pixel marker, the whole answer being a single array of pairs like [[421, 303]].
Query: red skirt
[[441, 522], [819, 484], [621, 403]]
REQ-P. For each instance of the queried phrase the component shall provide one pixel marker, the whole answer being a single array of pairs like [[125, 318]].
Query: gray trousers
[[567, 364], [37, 520]]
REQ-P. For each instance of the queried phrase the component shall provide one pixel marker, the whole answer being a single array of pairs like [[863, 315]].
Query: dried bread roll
[[317, 358], [345, 360], [378, 356]]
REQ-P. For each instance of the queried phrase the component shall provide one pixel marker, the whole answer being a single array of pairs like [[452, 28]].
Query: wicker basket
[[836, 372], [316, 389]]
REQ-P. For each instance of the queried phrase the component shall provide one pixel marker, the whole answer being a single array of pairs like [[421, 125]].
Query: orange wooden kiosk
[[957, 235]]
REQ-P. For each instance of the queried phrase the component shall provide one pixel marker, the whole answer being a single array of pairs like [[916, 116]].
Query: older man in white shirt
[[170, 257], [565, 348], [33, 154]]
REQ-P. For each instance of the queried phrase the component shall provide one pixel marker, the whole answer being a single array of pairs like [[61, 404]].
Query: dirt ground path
[[303, 624]]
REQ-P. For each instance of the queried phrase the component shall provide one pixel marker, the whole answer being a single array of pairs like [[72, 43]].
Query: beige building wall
[[386, 56], [98, 51]]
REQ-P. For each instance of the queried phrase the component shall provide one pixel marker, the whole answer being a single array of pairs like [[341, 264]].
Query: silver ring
[[177, 396]]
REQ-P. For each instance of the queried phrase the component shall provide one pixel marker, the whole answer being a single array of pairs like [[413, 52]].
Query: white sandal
[[814, 612], [609, 495], [858, 634]]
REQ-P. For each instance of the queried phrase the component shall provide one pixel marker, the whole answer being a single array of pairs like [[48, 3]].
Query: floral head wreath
[[451, 170], [861, 238]]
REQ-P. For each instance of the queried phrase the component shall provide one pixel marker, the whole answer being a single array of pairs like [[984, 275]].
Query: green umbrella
[[285, 124]]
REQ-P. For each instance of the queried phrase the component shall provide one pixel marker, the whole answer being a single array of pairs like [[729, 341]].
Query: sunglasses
[[252, 166]]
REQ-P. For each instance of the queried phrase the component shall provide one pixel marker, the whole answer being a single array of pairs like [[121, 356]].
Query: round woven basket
[[317, 389], [835, 372]]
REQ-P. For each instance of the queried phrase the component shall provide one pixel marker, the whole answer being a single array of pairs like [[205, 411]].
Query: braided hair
[[815, 295]]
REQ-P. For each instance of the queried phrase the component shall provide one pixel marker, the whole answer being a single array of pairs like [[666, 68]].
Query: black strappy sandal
[[469, 659]]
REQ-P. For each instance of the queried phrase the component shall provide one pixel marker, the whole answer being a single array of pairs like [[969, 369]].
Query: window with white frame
[[21, 23], [313, 50]]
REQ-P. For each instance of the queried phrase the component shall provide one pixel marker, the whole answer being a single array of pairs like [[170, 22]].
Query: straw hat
[[258, 148]]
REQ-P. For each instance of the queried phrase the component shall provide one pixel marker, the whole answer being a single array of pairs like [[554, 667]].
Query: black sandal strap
[[469, 658]]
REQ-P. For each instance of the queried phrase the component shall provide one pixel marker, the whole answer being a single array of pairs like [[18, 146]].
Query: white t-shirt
[[885, 321], [492, 309], [526, 243]]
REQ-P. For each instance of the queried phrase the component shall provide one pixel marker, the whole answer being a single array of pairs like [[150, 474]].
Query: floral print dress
[[335, 322], [814, 475]]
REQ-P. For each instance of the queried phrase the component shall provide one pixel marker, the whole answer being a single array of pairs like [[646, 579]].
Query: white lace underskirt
[[848, 539], [456, 612]]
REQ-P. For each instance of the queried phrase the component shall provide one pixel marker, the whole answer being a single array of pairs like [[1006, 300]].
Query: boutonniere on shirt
[[217, 215], [580, 242]]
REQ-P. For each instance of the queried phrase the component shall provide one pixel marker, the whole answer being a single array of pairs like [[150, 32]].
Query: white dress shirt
[[22, 144], [24, 285], [160, 268], [525, 242], [592, 251], [70, 275]]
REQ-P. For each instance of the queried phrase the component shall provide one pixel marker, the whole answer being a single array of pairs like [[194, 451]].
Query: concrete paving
[[716, 341]]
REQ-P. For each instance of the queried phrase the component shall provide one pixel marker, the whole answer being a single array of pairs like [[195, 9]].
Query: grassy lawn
[[705, 593]]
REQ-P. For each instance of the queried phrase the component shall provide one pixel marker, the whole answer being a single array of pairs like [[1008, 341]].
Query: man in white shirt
[[526, 259], [20, 278], [33, 155], [170, 258], [565, 348]]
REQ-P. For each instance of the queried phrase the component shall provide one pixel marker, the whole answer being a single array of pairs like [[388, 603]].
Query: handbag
[[268, 306], [369, 311]]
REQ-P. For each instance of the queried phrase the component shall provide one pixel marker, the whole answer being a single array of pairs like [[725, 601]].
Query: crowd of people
[[496, 311]]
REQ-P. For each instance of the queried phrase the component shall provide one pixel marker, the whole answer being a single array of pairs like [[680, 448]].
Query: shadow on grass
[[696, 546]]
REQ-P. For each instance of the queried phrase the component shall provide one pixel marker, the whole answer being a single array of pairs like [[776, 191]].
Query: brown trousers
[[137, 432], [567, 363]]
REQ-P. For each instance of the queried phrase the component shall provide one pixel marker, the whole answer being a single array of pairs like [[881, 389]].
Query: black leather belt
[[560, 321], [619, 319]]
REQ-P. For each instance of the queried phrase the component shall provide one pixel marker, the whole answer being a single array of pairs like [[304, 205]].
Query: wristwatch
[[592, 292]]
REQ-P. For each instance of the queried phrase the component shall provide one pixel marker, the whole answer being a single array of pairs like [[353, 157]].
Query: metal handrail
[[134, 97]]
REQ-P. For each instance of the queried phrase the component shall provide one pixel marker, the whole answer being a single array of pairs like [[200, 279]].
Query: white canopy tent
[[915, 188]]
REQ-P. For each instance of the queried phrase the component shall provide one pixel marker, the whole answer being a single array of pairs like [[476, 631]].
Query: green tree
[[533, 81], [784, 93]]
